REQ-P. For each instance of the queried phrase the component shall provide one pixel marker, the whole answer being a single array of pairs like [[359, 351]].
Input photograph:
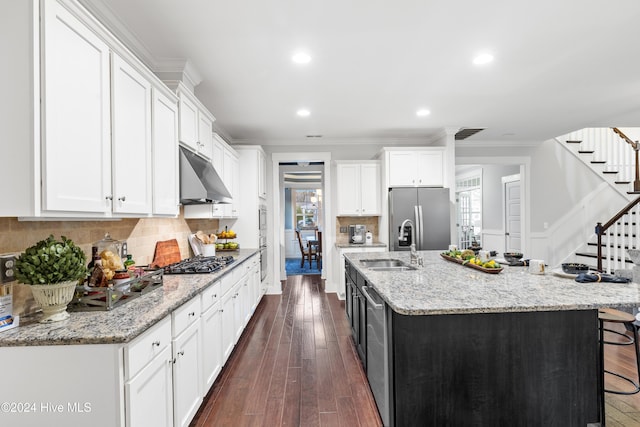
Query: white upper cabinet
[[79, 96], [165, 155], [358, 188], [262, 175], [416, 168], [131, 137], [75, 113], [196, 122], [189, 124], [205, 129]]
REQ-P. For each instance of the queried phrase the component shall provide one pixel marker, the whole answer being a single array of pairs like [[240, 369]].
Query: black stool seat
[[627, 319]]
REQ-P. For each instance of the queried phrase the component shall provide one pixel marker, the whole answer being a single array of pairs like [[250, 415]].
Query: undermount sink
[[386, 265], [398, 268]]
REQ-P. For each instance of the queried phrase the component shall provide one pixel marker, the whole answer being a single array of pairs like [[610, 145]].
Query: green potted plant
[[53, 268]]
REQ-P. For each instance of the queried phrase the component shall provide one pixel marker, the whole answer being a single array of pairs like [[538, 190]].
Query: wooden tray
[[468, 264]]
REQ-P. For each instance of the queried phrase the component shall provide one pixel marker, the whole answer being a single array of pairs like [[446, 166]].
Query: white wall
[[564, 194]]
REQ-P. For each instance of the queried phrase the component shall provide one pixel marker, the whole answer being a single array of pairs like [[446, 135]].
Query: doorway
[[303, 184], [278, 207], [512, 195]]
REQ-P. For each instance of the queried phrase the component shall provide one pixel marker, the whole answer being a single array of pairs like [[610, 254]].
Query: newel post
[[599, 234]]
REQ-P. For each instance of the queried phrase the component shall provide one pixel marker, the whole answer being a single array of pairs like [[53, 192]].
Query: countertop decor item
[[53, 268]]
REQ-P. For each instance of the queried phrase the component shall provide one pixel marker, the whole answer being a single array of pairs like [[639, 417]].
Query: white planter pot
[[54, 300]]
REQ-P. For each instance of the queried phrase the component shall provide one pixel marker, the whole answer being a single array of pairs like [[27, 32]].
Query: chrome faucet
[[415, 259]]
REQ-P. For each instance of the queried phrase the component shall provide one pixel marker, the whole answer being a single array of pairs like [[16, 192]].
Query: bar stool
[[628, 320]]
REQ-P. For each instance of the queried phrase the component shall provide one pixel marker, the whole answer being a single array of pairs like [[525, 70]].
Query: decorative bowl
[[511, 257], [574, 268], [634, 255]]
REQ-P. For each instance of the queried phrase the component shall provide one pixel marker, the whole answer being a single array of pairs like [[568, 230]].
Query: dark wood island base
[[495, 369]]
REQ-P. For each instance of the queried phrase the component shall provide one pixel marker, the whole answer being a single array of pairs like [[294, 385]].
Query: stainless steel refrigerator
[[429, 211]]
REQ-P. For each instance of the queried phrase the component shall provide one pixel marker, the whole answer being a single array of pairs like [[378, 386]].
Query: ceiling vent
[[465, 133]]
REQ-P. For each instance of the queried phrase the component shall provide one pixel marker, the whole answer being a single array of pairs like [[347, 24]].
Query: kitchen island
[[149, 361], [462, 347]]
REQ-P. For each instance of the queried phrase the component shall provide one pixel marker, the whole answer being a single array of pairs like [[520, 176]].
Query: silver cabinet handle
[[192, 314], [122, 199], [109, 198], [155, 344]]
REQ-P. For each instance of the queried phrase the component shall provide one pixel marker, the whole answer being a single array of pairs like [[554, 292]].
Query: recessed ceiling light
[[303, 112], [422, 112], [301, 58], [482, 59]]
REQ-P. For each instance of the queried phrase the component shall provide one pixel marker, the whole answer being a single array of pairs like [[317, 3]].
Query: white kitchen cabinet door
[[205, 136], [165, 155], [235, 189], [358, 189], [416, 168], [75, 112], [187, 379], [402, 168], [188, 130], [228, 324], [230, 164], [131, 139], [370, 189], [262, 175], [430, 168], [149, 395], [348, 189], [239, 308], [211, 346]]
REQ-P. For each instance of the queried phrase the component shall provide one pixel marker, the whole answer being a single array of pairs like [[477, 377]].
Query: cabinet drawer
[[185, 316], [139, 352], [210, 296]]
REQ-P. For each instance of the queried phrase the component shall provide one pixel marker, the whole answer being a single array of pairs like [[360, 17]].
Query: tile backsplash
[[371, 222], [141, 235]]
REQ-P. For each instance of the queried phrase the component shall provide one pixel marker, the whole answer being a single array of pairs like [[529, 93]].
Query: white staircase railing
[[609, 147], [614, 237]]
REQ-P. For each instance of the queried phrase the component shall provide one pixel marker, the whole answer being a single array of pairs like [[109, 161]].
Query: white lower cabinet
[[211, 324], [187, 392], [149, 395]]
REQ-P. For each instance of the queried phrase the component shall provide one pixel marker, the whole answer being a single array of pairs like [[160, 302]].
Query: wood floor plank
[[347, 412], [329, 419], [273, 412], [291, 408], [326, 392], [309, 413]]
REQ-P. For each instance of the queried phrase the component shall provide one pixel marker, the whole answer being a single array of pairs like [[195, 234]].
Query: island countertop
[[123, 323], [444, 287]]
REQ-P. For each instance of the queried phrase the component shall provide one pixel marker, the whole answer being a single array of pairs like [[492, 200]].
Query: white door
[[512, 217], [165, 155], [131, 136], [75, 109]]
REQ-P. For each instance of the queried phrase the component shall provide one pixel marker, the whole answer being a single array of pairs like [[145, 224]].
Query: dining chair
[[307, 251]]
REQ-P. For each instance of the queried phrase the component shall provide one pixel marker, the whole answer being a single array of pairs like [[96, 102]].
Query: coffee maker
[[357, 233]]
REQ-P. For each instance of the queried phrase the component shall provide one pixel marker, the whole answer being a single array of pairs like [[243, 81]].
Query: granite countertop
[[361, 245], [444, 287], [123, 323]]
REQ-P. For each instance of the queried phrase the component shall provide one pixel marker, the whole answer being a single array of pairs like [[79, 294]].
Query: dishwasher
[[378, 352]]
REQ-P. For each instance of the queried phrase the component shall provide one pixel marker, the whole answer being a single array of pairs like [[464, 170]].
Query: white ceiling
[[559, 65]]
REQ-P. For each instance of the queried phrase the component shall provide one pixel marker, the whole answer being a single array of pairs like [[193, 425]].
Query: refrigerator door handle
[[416, 223], [420, 228]]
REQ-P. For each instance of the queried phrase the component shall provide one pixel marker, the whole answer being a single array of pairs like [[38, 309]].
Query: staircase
[[614, 156]]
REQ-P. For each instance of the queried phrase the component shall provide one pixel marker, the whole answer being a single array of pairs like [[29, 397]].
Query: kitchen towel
[[600, 277]]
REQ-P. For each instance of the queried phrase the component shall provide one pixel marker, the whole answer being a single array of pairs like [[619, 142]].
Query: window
[[307, 206], [469, 202]]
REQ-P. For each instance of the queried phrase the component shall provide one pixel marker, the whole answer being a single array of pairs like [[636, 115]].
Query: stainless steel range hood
[[199, 181]]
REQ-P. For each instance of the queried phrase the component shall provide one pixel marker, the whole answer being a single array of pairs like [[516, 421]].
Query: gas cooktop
[[199, 265]]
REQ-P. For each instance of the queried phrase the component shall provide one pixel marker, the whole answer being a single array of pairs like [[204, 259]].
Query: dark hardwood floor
[[295, 365]]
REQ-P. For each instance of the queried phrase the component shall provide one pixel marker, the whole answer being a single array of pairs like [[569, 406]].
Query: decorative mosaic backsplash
[[141, 236]]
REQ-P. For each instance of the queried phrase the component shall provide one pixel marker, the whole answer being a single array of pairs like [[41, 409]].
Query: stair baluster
[[623, 237]]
